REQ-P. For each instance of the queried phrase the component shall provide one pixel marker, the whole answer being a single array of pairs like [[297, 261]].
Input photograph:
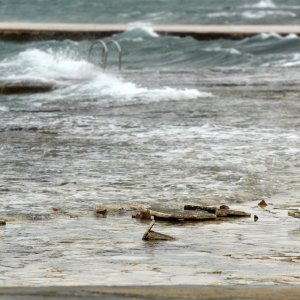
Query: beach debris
[[218, 212], [101, 211], [143, 215], [294, 214], [255, 218], [223, 206], [150, 235], [262, 204], [56, 209], [178, 215], [2, 223]]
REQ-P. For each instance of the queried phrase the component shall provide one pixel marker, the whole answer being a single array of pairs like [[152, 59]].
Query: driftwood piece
[[294, 214], [176, 216], [218, 211], [150, 235]]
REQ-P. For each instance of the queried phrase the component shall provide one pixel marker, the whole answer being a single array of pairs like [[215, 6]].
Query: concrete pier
[[39, 31]]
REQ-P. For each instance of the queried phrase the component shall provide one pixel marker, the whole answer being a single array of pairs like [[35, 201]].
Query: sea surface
[[184, 122]]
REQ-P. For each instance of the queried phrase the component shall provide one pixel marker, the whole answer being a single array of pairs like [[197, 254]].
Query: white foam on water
[[112, 86], [146, 28], [79, 78], [262, 4], [291, 60], [267, 13], [232, 51]]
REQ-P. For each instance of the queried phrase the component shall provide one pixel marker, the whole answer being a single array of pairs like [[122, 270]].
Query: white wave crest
[[144, 27], [232, 51], [111, 86], [262, 4], [78, 78], [267, 13]]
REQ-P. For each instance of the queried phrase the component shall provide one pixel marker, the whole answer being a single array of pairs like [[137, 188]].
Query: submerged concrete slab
[[32, 31]]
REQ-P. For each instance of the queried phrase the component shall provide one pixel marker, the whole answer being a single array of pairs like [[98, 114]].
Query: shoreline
[[152, 292]]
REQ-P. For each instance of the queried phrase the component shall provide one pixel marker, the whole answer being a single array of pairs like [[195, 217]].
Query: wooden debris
[[262, 204], [143, 215], [217, 211], [2, 223], [150, 235], [294, 214], [177, 216]]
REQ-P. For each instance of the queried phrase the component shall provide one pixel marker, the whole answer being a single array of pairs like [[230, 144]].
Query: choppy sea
[[184, 121]]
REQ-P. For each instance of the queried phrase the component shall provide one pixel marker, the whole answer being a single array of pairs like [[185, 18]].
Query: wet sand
[[154, 292]]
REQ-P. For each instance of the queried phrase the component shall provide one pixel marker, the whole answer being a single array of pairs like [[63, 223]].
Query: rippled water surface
[[156, 11]]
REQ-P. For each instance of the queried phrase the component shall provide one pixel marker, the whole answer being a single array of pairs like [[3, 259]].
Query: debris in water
[[219, 212], [294, 214], [177, 215], [101, 211], [143, 215], [224, 206], [255, 218], [262, 204], [56, 209], [150, 235], [2, 223]]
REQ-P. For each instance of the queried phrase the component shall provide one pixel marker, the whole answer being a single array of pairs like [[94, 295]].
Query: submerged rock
[[177, 215], [2, 223], [101, 211], [262, 204], [143, 215], [219, 212], [294, 214], [150, 235]]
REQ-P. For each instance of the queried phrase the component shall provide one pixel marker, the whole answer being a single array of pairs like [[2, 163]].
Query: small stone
[[101, 211], [255, 218], [262, 204], [56, 209], [143, 215], [2, 223], [223, 206]]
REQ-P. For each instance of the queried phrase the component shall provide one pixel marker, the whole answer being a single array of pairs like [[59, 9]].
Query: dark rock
[[255, 218], [101, 211], [2, 223], [143, 215], [224, 206], [262, 204], [150, 235], [177, 216], [217, 211]]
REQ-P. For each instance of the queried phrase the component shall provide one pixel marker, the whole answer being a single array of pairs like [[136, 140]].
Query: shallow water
[[185, 121]]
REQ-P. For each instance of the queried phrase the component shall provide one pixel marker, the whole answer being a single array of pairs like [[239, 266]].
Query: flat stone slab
[[217, 211], [294, 214], [177, 215], [151, 235]]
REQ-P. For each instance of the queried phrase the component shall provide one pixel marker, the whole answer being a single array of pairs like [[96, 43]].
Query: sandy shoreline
[[153, 292]]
